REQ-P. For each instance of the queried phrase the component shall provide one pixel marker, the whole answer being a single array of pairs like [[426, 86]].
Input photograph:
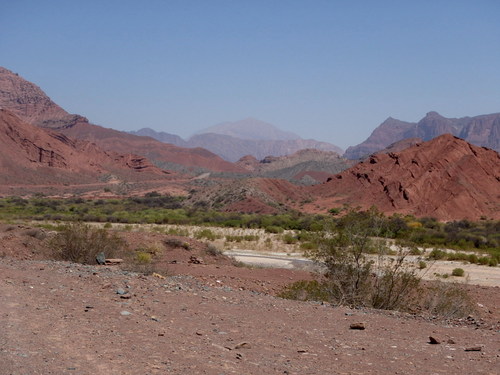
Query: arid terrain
[[173, 304], [204, 314]]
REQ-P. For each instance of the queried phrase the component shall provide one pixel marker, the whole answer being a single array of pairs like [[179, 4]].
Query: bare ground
[[213, 318]]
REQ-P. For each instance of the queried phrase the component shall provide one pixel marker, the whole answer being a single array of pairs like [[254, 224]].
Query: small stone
[[125, 313], [434, 341], [120, 291], [451, 341], [126, 296], [473, 349], [155, 318], [360, 326], [101, 258], [243, 345]]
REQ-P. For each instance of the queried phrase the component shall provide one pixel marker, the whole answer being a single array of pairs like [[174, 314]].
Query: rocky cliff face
[[481, 130], [31, 104], [446, 178], [31, 155]]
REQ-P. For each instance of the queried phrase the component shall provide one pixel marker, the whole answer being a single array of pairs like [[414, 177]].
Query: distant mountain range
[[233, 140], [483, 130]]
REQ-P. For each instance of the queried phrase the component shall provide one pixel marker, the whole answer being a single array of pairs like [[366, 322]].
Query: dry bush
[[359, 270], [80, 243], [446, 300], [212, 250], [37, 233], [364, 272], [176, 242]]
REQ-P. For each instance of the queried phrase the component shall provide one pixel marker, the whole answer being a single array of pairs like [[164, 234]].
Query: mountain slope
[[483, 130], [31, 155], [446, 178], [31, 104], [232, 149], [159, 152], [251, 129], [161, 136], [308, 166]]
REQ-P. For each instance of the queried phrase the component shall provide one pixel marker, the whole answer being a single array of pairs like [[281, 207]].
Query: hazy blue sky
[[330, 70]]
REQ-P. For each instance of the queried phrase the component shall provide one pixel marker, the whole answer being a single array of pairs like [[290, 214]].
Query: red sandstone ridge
[[31, 155], [31, 104], [446, 178]]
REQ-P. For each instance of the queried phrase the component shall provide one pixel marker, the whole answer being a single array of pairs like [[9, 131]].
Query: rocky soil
[[211, 317]]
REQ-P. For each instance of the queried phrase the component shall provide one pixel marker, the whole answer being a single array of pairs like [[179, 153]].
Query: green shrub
[[80, 243], [457, 272], [308, 246], [143, 257], [289, 239], [472, 258], [422, 265], [437, 254], [207, 234], [274, 229], [483, 261]]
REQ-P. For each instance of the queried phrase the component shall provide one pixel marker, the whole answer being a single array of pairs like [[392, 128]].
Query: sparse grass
[[206, 234], [212, 250]]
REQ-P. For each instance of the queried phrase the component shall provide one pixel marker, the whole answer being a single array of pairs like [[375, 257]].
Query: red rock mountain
[[164, 154], [32, 105], [446, 178], [34, 156], [481, 130]]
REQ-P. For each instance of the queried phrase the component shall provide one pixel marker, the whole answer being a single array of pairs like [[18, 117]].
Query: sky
[[328, 70]]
